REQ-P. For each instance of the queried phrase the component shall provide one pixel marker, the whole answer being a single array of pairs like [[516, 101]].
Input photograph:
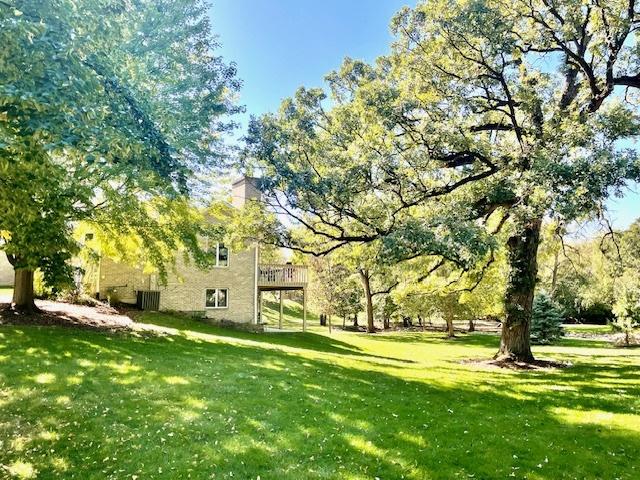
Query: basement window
[[217, 298]]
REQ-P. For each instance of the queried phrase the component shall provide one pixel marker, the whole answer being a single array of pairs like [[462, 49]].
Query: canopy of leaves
[[108, 110], [334, 290], [484, 109]]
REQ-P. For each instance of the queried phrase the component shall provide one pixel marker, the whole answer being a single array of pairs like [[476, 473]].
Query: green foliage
[[40, 289], [345, 176], [108, 110], [530, 86], [252, 223], [595, 281], [429, 287], [389, 309], [546, 320], [626, 306], [484, 113], [577, 275], [348, 300], [333, 289]]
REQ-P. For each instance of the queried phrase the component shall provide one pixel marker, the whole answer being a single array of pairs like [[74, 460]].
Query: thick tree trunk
[[23, 291], [366, 285], [450, 331], [522, 252], [355, 320]]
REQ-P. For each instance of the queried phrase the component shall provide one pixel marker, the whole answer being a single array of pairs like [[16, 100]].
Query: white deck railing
[[277, 275]]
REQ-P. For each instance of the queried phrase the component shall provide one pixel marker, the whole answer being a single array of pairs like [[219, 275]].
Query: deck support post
[[280, 318], [304, 309]]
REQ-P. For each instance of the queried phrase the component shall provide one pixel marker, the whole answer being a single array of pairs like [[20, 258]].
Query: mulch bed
[[94, 317]]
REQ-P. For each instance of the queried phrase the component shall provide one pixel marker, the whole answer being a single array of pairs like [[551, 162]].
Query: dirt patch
[[507, 364], [97, 317]]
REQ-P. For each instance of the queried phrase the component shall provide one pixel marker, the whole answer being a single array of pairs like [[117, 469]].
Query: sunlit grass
[[203, 402], [6, 292], [587, 328], [291, 313]]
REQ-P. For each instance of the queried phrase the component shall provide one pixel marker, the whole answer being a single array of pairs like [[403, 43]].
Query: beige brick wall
[[186, 286], [121, 281], [6, 271]]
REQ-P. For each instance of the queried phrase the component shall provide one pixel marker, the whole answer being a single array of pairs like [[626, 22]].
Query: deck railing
[[282, 275]]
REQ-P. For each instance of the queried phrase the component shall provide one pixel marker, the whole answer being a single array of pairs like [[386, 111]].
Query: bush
[[546, 320], [596, 314], [627, 306], [40, 288]]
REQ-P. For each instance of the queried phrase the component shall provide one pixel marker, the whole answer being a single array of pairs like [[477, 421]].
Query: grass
[[587, 328], [6, 291], [202, 402], [291, 314]]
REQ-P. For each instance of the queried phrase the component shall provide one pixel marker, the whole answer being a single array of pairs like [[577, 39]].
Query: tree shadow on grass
[[306, 340], [472, 339], [482, 339], [169, 407]]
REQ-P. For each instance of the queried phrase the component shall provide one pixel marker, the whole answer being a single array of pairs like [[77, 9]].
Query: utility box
[[148, 300]]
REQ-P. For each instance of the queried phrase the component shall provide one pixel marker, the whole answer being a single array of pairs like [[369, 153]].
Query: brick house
[[228, 292], [6, 271]]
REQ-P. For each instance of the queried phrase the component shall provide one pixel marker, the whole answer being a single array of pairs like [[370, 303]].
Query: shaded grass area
[[203, 402]]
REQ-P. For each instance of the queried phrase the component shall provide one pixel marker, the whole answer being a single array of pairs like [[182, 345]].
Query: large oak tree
[[484, 108], [539, 79]]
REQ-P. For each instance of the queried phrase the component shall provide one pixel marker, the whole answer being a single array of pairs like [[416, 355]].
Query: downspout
[[98, 275]]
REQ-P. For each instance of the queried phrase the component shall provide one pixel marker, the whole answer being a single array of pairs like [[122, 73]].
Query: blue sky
[[280, 45]]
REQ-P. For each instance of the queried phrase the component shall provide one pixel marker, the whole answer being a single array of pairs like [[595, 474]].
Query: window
[[222, 254], [216, 298]]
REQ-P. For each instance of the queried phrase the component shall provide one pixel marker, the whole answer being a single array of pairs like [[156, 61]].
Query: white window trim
[[216, 307]]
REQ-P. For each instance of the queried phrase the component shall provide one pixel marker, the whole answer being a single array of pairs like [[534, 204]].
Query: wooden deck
[[282, 277]]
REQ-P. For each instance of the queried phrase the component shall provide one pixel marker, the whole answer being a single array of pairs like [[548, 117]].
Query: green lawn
[[588, 329], [291, 314], [202, 402]]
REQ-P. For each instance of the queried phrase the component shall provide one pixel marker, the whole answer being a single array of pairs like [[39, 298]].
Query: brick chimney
[[243, 190]]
